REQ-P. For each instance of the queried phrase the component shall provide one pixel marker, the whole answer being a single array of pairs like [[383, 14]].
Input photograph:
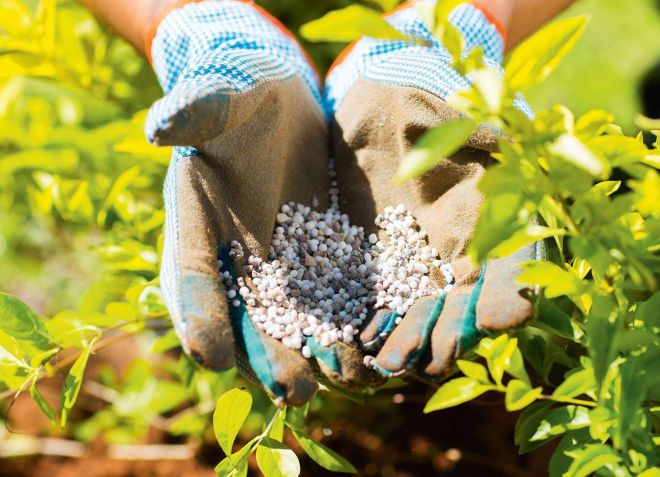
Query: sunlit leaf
[[44, 405], [557, 282], [230, 413], [529, 234], [434, 146], [591, 122], [647, 123], [519, 395], [277, 460], [560, 420], [575, 152], [527, 423], [538, 56], [386, 5], [441, 15], [559, 462], [474, 370], [322, 455], [19, 321], [348, 24], [73, 382], [577, 383], [455, 392], [590, 459]]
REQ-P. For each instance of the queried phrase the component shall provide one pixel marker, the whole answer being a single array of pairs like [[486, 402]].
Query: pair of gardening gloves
[[253, 130]]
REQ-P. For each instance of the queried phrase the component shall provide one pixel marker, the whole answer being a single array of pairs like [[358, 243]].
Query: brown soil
[[384, 439], [388, 437]]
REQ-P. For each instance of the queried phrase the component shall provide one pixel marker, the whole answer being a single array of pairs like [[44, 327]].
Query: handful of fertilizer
[[323, 276]]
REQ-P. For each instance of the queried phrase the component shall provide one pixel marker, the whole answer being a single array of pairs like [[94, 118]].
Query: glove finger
[[377, 329], [191, 113], [455, 331], [410, 338], [343, 365], [282, 371], [189, 274], [504, 303], [216, 94]]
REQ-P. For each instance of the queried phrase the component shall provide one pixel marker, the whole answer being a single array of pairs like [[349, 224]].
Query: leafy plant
[[595, 192], [273, 456]]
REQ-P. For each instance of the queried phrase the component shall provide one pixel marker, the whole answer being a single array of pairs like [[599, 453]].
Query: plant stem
[[578, 402]]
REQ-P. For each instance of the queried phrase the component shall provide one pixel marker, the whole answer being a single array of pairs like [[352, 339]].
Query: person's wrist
[[153, 18], [498, 12]]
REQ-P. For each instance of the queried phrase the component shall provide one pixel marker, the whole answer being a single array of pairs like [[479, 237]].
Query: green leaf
[[646, 123], [538, 56], [560, 420], [591, 122], [44, 405], [235, 465], [452, 39], [572, 150], [230, 413], [473, 370], [20, 322], [348, 24], [441, 16], [502, 354], [519, 395], [557, 282], [527, 423], [322, 455], [489, 86], [11, 354], [120, 185], [277, 426], [560, 462], [437, 144], [295, 416], [277, 460], [551, 318], [501, 217], [165, 342], [603, 330], [386, 5], [607, 187], [455, 392], [73, 382], [226, 469], [655, 472], [590, 459], [529, 234], [575, 384], [619, 150]]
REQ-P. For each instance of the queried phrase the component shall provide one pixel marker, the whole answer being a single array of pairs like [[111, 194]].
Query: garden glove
[[243, 107], [385, 95]]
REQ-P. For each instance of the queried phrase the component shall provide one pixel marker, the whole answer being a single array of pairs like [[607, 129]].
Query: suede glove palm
[[385, 95], [243, 107]]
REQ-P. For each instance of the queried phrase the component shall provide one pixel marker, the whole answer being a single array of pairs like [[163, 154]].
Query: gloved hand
[[385, 95], [243, 98]]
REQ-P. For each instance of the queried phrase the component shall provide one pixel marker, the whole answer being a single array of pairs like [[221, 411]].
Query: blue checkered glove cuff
[[197, 29], [403, 63]]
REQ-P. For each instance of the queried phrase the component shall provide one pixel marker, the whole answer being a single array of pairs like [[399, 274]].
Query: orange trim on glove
[[493, 19], [151, 31]]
